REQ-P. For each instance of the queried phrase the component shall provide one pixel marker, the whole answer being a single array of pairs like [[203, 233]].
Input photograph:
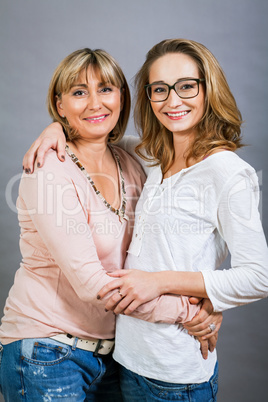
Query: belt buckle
[[98, 347]]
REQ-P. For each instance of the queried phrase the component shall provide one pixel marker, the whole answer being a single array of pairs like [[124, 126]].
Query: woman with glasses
[[199, 200]]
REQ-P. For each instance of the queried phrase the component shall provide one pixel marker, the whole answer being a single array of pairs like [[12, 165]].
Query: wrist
[[165, 282]]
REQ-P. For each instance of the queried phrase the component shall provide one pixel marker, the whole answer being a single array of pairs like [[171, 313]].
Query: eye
[[106, 90], [79, 92], [185, 87], [157, 89]]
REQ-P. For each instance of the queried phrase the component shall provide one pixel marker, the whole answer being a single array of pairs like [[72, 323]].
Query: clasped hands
[[131, 288]]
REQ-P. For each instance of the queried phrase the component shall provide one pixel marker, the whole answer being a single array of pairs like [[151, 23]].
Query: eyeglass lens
[[184, 89]]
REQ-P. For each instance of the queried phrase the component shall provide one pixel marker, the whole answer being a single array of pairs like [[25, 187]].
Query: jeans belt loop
[[98, 347], [75, 343]]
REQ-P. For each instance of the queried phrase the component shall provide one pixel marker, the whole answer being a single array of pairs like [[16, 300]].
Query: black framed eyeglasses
[[185, 88]]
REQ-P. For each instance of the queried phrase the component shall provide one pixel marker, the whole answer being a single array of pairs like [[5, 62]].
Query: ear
[[59, 107]]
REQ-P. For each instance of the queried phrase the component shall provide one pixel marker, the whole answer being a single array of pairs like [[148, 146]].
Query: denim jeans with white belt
[[44, 369]]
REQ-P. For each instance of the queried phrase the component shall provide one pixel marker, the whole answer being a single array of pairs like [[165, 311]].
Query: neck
[[90, 153], [181, 146]]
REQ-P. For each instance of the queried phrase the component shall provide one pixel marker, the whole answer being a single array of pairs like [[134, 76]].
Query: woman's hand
[[52, 137], [134, 288], [207, 345], [200, 324]]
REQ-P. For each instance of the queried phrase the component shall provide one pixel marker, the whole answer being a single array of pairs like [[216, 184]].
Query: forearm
[[168, 309], [150, 290], [182, 283]]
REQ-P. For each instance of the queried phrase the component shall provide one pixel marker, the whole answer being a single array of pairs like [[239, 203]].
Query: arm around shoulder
[[51, 138]]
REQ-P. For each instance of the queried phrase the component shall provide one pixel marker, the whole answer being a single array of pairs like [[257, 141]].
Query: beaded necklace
[[120, 212]]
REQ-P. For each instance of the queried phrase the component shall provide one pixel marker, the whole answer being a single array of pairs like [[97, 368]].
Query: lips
[[96, 119], [177, 115]]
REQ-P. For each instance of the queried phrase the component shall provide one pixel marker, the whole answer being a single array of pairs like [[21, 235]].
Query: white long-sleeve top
[[187, 223]]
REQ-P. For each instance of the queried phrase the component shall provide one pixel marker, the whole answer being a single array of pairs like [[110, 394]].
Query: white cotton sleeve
[[240, 226]]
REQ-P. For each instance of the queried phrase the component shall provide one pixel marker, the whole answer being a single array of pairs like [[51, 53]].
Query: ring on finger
[[212, 327], [120, 294]]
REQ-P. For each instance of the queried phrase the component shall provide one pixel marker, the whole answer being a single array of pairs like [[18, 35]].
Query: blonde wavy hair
[[68, 72], [220, 126]]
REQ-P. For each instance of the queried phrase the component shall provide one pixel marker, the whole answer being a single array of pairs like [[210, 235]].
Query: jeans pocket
[[165, 390], [43, 351]]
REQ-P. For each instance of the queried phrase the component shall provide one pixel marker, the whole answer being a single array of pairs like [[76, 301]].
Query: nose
[[174, 100], [94, 102]]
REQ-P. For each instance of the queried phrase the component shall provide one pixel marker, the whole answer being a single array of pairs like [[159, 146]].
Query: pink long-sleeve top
[[69, 240]]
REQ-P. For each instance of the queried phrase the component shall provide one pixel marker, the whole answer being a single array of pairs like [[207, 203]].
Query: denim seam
[[181, 388], [43, 363], [100, 373], [21, 374]]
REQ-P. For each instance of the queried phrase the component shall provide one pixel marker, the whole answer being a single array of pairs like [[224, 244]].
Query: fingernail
[[63, 157], [38, 164], [98, 297]]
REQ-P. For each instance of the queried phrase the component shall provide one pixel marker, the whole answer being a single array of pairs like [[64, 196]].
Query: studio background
[[35, 35]]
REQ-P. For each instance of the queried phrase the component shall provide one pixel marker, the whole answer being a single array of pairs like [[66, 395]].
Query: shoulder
[[53, 170], [234, 179], [53, 164], [227, 164], [225, 172]]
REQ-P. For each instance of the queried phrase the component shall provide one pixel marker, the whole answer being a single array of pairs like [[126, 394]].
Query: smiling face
[[92, 107], [180, 116]]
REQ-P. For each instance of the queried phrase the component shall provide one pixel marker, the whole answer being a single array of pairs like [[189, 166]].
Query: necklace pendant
[[123, 216]]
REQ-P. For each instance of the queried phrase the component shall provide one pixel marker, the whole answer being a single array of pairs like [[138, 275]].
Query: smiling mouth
[[96, 119], [178, 114]]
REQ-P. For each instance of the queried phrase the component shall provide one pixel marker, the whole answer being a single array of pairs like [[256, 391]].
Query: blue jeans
[[43, 369], [136, 388]]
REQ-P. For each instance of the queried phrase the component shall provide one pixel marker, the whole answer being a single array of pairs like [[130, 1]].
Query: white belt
[[98, 346]]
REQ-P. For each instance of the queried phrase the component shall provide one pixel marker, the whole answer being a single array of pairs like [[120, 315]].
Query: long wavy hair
[[68, 72], [220, 126]]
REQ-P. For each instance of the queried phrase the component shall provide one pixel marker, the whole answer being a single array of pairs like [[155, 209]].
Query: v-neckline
[[121, 211]]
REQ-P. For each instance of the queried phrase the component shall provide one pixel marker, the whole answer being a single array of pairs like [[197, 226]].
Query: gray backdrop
[[35, 35]]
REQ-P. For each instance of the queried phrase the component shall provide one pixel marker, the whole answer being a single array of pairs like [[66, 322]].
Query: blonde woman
[[199, 200], [76, 224]]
